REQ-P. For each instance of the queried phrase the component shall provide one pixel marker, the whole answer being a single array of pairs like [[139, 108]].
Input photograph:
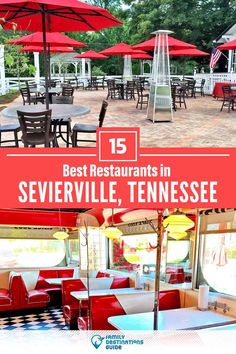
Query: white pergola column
[[83, 73], [230, 66], [89, 67], [2, 70], [37, 67]]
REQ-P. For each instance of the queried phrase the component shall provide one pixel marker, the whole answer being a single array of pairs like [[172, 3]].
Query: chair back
[[30, 85], [25, 93], [35, 123], [102, 113], [203, 83], [67, 91], [62, 99], [226, 91]]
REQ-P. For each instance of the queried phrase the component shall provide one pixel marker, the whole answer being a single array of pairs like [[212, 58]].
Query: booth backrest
[[103, 307], [95, 284], [67, 287]]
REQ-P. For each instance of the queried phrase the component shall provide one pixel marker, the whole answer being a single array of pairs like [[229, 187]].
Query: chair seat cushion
[[37, 138], [83, 323], [71, 311], [9, 127], [35, 296], [4, 297], [85, 128]]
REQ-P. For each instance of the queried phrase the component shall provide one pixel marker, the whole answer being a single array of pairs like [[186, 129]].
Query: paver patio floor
[[200, 125]]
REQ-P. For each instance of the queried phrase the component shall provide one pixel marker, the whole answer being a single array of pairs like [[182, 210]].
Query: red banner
[[117, 173]]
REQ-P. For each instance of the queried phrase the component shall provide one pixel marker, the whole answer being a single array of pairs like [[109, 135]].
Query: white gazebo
[[82, 67]]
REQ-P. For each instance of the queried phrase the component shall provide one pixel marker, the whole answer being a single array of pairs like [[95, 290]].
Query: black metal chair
[[190, 89], [36, 129], [114, 91], [143, 98], [88, 128], [178, 94], [67, 91], [10, 128], [199, 88], [65, 122], [130, 90], [228, 98], [29, 97]]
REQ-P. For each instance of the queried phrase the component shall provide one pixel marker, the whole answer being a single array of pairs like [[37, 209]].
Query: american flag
[[215, 56]]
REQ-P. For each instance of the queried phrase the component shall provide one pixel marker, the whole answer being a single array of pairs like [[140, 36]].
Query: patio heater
[[160, 101], [127, 71]]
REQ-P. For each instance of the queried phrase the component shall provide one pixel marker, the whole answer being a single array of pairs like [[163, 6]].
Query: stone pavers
[[200, 125]]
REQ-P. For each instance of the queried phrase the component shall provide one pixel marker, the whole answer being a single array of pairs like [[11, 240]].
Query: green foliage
[[96, 71]]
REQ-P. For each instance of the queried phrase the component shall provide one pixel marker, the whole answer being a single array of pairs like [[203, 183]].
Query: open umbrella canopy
[[188, 52], [174, 44], [119, 49], [53, 38], [141, 56], [52, 49], [59, 16], [228, 46], [91, 54]]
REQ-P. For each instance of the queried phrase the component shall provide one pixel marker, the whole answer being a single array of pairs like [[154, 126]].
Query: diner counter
[[83, 295]]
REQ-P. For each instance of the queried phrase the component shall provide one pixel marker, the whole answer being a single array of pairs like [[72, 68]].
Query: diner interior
[[117, 269]]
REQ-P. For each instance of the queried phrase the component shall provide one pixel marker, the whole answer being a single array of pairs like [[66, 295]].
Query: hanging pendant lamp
[[62, 233], [177, 222], [112, 232]]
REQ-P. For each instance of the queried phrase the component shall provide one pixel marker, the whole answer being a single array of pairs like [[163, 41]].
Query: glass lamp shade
[[132, 258], [177, 222], [60, 235], [178, 235], [112, 232]]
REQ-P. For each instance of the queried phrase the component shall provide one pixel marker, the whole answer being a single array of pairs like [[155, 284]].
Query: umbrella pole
[[45, 56]]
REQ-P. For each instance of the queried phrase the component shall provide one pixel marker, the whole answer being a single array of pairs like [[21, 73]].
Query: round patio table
[[59, 112]]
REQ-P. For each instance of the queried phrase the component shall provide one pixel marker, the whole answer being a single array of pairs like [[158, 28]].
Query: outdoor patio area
[[202, 124]]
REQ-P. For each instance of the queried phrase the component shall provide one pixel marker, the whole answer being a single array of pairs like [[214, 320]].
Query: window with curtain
[[31, 253], [217, 252]]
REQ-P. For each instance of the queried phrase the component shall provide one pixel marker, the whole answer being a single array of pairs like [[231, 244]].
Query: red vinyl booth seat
[[32, 298], [176, 275], [103, 307], [5, 298], [71, 306], [10, 299]]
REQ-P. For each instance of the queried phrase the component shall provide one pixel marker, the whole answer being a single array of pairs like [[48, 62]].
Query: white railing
[[13, 83]]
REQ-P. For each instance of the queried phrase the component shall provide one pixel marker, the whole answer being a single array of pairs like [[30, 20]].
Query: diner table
[[59, 112], [217, 91], [57, 281], [179, 319], [83, 295]]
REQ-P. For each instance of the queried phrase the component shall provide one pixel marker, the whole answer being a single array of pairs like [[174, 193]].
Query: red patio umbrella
[[91, 54], [120, 49], [141, 56], [53, 39], [53, 15], [228, 46], [52, 49], [188, 52], [174, 44]]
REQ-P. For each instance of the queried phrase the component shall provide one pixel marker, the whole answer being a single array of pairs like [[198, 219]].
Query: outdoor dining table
[[52, 91], [179, 319], [59, 111], [217, 91]]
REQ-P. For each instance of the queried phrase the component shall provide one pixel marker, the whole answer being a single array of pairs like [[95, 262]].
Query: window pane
[[138, 251], [217, 262], [31, 253], [74, 251], [97, 249]]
